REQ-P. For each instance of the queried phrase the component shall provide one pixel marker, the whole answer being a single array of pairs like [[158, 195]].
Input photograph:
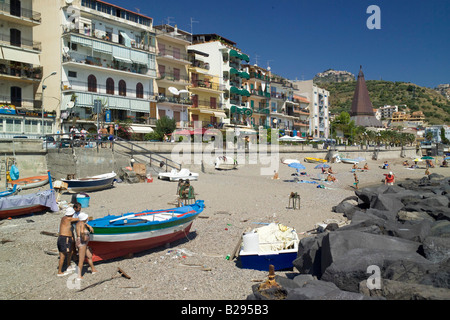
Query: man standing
[[65, 241]]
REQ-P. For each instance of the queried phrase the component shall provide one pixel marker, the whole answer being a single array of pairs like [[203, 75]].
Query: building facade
[[319, 118], [21, 72], [102, 55]]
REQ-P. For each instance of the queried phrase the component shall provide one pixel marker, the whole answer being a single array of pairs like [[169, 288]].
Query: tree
[[164, 125], [444, 139]]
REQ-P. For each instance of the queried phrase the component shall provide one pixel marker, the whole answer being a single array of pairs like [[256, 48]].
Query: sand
[[193, 268]]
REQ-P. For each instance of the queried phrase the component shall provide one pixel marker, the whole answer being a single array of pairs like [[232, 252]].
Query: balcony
[[173, 56], [111, 65], [259, 93], [255, 75], [173, 77], [22, 71], [107, 39], [205, 84], [303, 123], [173, 100], [208, 104], [21, 102], [170, 34], [20, 42], [19, 14]]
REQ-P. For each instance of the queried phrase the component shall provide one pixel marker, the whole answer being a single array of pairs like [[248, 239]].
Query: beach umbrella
[[322, 165], [297, 165], [427, 158], [297, 139]]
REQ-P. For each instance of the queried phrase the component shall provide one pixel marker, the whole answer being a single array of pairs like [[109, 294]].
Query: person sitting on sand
[[330, 170], [83, 230], [366, 167], [65, 241], [331, 178], [385, 165], [427, 172], [275, 175], [444, 163], [405, 163]]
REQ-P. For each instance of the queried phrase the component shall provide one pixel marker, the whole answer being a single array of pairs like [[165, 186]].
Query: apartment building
[[301, 111], [318, 98], [172, 80], [258, 84], [226, 95], [21, 72], [100, 55], [282, 104], [386, 111]]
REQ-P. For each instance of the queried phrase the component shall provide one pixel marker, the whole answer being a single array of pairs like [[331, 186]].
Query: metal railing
[[20, 12]]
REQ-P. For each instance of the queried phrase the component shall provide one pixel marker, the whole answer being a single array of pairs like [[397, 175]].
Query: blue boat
[[117, 236], [99, 182]]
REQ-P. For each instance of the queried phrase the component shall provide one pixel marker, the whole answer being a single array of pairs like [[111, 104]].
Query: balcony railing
[[177, 100], [116, 65], [260, 93], [21, 102], [170, 33], [256, 75], [170, 76], [108, 38], [20, 42], [18, 69], [207, 84], [20, 12], [208, 104], [177, 55]]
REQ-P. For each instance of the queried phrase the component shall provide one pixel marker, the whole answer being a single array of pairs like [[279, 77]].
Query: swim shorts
[[64, 243]]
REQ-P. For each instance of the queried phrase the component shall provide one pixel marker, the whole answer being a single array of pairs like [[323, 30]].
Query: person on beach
[[65, 242], [356, 180], [390, 179], [366, 166], [83, 231], [386, 165]]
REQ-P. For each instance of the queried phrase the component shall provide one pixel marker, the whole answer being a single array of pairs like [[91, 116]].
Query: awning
[[138, 129], [234, 71], [126, 38], [220, 114], [244, 75], [234, 90], [245, 57], [20, 56], [234, 53], [123, 59], [244, 92], [102, 47]]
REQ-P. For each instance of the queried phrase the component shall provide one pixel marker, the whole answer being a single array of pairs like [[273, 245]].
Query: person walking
[[389, 179], [83, 232], [65, 241]]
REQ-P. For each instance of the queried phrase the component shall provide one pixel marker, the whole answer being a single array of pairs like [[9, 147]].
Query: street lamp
[[43, 88]]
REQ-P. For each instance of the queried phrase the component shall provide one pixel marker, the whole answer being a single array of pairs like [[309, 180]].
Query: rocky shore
[[397, 247]]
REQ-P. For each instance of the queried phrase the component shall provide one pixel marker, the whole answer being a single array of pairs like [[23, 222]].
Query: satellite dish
[[183, 91], [174, 91], [66, 50], [69, 1]]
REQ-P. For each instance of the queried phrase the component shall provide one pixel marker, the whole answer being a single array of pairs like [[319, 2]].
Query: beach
[[193, 268]]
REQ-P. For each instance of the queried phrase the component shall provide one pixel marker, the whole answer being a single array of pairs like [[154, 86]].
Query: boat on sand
[[30, 182], [117, 236], [98, 182], [315, 160], [175, 175]]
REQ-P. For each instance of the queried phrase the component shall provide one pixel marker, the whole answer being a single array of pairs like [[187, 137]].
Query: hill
[[435, 106]]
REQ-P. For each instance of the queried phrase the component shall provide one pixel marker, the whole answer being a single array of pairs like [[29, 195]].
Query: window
[[15, 37], [212, 103], [92, 83], [139, 91], [15, 8], [109, 86], [72, 74], [16, 96], [122, 88], [176, 74]]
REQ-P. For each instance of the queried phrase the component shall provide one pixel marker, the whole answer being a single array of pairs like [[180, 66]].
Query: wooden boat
[[225, 163], [98, 182], [315, 160], [117, 236], [175, 175], [30, 182], [273, 244], [10, 192], [289, 161], [17, 205]]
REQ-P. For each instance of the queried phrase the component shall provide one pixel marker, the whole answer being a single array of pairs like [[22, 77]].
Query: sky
[[300, 38]]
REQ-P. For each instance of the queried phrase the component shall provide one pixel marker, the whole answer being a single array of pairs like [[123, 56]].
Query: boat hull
[[349, 161], [31, 182], [315, 160], [90, 184], [107, 250], [224, 163], [18, 211], [117, 236]]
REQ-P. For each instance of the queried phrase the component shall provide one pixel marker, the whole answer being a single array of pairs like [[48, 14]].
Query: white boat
[[225, 163], [274, 244], [289, 161], [175, 175], [347, 160], [98, 182]]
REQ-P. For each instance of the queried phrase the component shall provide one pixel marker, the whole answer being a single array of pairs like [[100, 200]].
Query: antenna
[[169, 20], [256, 59], [268, 65], [192, 28]]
